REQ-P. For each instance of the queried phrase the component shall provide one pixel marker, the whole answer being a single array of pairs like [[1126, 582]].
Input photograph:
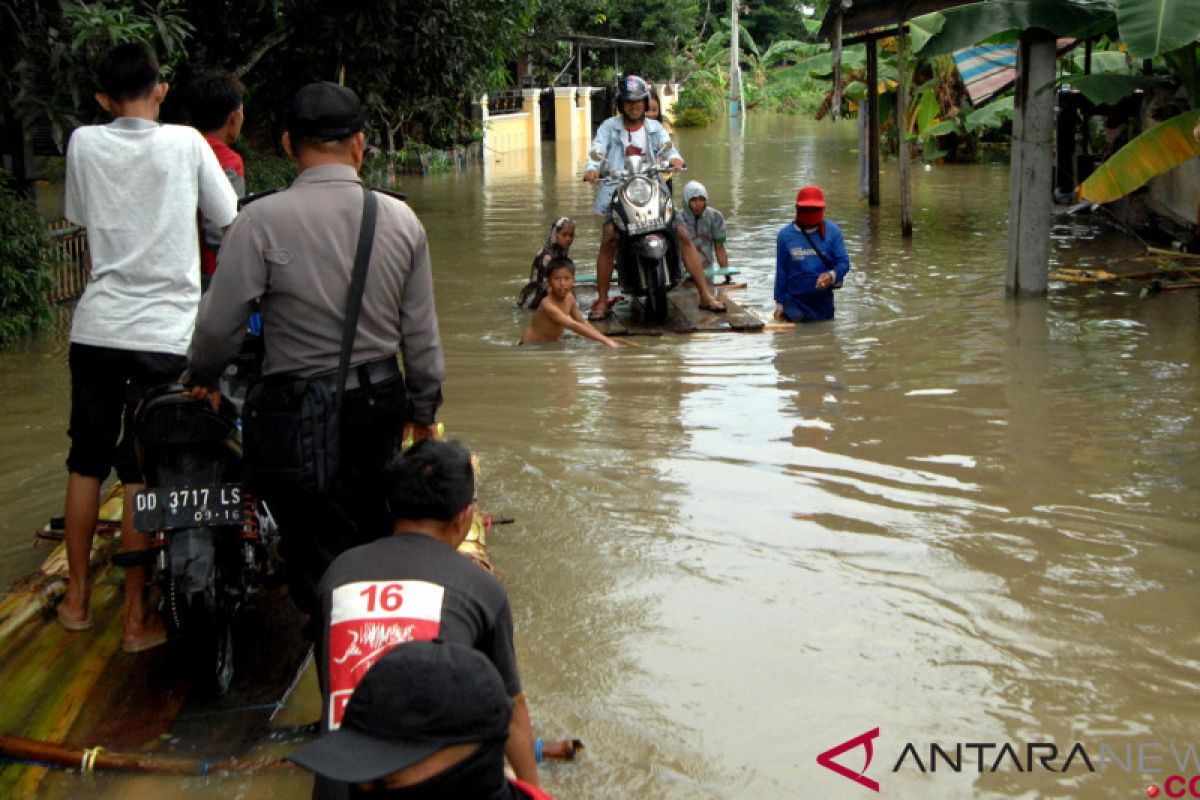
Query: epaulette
[[390, 193], [250, 198]]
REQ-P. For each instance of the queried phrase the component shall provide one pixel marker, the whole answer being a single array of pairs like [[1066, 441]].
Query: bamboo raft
[[75, 700]]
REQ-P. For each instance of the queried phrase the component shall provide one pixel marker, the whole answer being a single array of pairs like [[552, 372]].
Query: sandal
[[716, 308], [74, 625], [596, 314]]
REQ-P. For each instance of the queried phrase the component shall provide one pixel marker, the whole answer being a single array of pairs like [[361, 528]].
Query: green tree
[[50, 49], [24, 253]]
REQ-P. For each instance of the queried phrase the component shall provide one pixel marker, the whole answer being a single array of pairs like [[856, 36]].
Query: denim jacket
[[610, 138]]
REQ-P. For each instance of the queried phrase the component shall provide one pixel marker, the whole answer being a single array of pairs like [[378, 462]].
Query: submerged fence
[[68, 271]]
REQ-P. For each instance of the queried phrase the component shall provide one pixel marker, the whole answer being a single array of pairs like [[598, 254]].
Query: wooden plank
[[872, 124], [905, 156], [684, 315], [585, 278]]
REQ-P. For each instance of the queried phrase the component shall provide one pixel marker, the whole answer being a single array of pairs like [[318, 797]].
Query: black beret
[[324, 111]]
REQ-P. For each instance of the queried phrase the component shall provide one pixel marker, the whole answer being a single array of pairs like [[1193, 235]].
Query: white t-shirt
[[636, 140], [135, 186]]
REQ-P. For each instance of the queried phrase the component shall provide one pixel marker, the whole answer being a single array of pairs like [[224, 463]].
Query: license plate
[[167, 508]]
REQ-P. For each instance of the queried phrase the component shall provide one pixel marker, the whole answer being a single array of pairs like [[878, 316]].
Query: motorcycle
[[648, 261], [213, 544]]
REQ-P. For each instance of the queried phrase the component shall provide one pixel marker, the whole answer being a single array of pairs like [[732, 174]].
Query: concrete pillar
[[1032, 159], [564, 114], [584, 98], [484, 116], [531, 104]]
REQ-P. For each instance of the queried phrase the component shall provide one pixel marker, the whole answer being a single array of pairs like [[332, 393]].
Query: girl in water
[[558, 245]]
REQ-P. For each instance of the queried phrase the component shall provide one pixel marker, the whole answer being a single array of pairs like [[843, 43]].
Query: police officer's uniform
[[295, 249]]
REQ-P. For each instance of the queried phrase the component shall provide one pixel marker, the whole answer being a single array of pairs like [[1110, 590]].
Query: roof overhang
[[605, 42], [860, 16]]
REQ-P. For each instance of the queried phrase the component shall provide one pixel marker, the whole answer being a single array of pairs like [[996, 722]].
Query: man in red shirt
[[214, 105]]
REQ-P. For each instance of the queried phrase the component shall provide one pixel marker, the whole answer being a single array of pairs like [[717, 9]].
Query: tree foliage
[[24, 266]]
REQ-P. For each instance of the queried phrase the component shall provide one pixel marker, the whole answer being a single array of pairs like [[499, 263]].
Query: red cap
[[810, 197]]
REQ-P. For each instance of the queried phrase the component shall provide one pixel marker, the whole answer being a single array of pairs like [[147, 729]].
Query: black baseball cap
[[324, 111], [417, 699]]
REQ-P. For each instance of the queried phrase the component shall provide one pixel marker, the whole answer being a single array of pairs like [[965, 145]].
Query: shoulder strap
[[358, 281], [826, 260]]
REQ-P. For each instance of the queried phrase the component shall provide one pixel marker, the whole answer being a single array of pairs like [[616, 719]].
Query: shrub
[[265, 172], [698, 103], [691, 118], [25, 256]]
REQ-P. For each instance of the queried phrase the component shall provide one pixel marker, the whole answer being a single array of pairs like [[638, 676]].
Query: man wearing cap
[[810, 261], [428, 720], [295, 249]]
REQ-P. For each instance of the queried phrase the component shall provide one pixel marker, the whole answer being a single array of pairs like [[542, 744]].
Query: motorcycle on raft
[[648, 261], [214, 544]]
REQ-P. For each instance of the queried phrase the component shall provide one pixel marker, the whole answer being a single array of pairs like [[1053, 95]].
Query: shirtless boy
[[559, 311]]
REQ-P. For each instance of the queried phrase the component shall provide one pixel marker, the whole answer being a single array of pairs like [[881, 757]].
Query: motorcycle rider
[[631, 133]]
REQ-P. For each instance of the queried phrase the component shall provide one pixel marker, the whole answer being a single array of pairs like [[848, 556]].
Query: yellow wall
[[508, 133]]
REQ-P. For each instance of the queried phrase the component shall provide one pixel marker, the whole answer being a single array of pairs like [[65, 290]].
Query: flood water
[[948, 514]]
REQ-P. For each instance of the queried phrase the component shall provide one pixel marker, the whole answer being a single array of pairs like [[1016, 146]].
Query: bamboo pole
[[88, 759]]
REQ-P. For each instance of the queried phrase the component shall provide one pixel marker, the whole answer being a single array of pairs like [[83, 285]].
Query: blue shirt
[[797, 267]]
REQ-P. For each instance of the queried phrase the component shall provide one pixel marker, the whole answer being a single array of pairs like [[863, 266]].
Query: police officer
[[295, 249]]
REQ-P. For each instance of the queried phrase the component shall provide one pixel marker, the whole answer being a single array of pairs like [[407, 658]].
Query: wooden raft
[[81, 689], [685, 315]]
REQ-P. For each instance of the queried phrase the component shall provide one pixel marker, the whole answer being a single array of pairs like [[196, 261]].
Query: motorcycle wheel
[[207, 637], [656, 304]]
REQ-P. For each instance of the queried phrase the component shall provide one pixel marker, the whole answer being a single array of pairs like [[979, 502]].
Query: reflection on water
[[947, 514]]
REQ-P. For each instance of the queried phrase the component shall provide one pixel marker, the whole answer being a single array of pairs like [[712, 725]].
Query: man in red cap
[[810, 261]]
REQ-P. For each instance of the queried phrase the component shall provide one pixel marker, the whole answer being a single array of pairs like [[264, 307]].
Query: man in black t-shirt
[[415, 586]]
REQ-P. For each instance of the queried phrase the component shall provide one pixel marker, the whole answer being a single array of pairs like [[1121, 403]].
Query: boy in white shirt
[[135, 186]]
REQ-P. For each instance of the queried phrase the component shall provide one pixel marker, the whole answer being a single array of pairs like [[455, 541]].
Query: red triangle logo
[[863, 740]]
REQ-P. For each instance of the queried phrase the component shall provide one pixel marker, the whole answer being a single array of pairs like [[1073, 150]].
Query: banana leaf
[[1158, 150], [991, 115], [922, 29], [1151, 27], [1106, 89], [966, 25], [1102, 61]]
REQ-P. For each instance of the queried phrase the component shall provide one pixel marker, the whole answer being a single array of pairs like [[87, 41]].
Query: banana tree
[[1163, 30], [1158, 150]]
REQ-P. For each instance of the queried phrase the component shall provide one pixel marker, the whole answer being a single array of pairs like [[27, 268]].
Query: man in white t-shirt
[[135, 186]]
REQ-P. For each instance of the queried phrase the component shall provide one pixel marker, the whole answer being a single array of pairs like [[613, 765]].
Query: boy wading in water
[[559, 311]]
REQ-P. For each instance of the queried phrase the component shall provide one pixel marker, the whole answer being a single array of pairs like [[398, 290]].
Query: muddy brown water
[[954, 516]]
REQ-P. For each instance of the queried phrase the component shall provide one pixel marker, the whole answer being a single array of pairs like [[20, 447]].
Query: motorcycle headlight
[[639, 191]]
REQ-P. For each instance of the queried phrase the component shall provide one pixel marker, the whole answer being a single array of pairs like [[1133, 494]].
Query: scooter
[[648, 260], [214, 544]]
